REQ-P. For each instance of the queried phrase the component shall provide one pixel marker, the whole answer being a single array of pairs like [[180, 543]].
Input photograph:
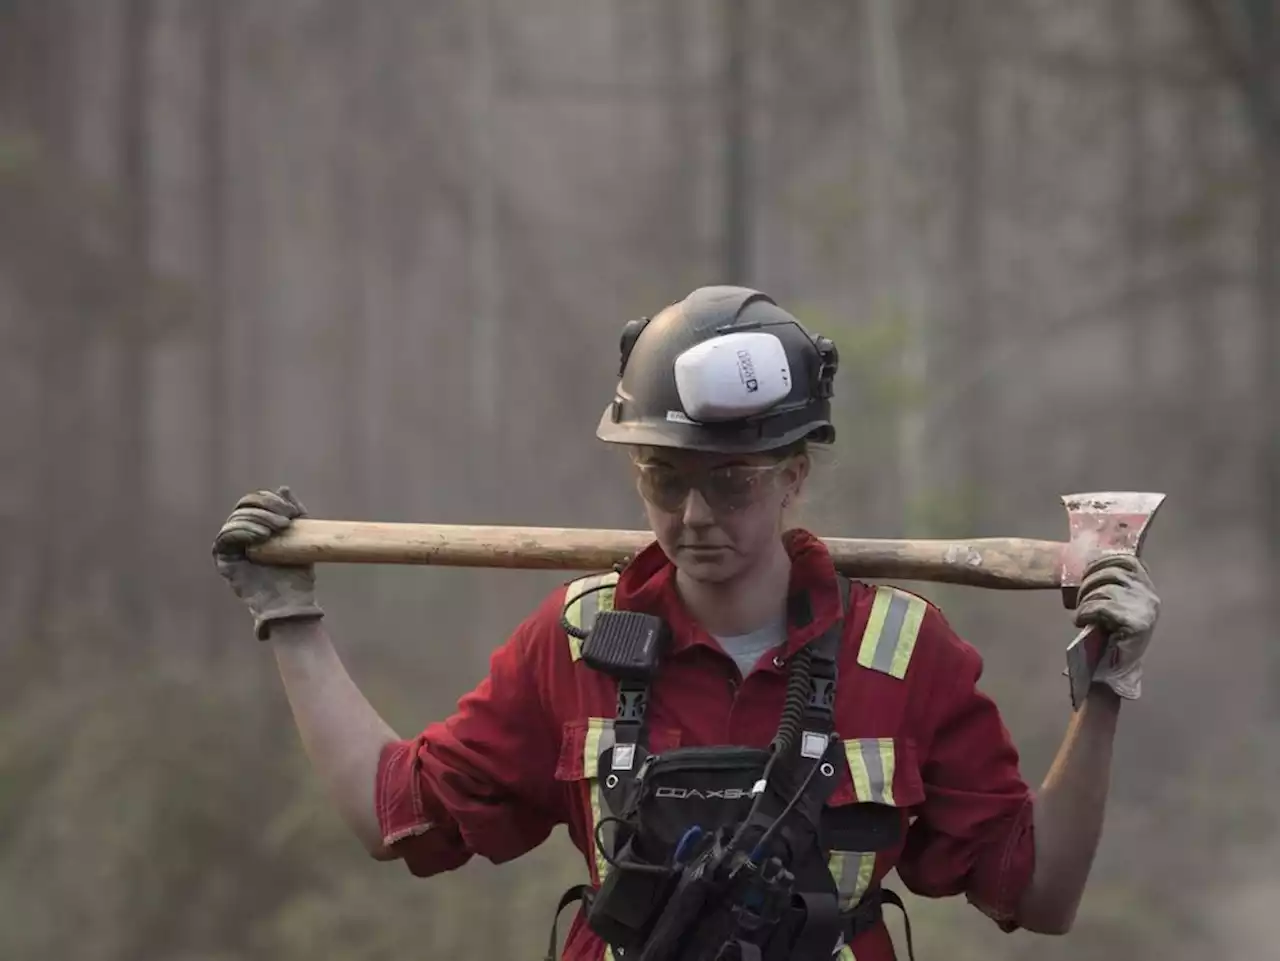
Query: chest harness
[[721, 853]]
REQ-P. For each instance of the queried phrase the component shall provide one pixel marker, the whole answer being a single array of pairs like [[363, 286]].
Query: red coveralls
[[518, 757]]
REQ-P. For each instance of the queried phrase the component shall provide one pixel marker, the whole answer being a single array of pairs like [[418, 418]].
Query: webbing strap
[[869, 912], [629, 727], [821, 928], [578, 892], [818, 721]]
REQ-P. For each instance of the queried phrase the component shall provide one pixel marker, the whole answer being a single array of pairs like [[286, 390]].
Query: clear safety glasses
[[728, 488]]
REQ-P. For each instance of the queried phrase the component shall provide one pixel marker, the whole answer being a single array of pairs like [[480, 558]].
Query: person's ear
[[794, 476]]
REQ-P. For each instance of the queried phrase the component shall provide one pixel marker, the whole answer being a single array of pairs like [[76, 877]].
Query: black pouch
[[674, 793], [706, 787], [633, 893]]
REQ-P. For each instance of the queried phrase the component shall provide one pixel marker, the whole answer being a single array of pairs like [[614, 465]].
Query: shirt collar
[[648, 584]]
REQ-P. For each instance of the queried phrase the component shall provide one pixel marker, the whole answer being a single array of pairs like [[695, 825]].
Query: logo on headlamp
[[747, 371]]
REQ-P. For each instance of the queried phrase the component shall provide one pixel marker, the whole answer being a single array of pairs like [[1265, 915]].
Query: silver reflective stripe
[[871, 764], [888, 642], [892, 628], [851, 871], [875, 771]]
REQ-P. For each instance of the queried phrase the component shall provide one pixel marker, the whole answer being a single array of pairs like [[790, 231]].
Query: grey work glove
[[271, 592], [1117, 597]]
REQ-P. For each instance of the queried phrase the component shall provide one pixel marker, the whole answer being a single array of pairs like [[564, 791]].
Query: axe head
[[1100, 523], [1107, 522]]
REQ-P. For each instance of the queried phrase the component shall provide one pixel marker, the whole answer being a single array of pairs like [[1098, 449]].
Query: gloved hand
[[1117, 597], [271, 592]]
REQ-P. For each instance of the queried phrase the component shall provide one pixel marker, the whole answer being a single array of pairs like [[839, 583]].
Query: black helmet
[[724, 370]]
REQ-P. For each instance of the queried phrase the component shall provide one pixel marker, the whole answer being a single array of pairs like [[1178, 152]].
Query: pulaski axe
[[1098, 524]]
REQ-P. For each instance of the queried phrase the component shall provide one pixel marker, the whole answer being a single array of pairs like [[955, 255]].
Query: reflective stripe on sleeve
[[599, 739], [890, 637], [851, 871], [871, 762]]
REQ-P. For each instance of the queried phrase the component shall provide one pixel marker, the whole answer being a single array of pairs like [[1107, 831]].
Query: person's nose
[[696, 511]]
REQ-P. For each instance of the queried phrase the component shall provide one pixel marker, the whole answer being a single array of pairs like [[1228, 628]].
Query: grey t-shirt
[[747, 649]]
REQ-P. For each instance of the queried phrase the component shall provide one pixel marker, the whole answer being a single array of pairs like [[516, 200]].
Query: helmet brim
[[730, 438]]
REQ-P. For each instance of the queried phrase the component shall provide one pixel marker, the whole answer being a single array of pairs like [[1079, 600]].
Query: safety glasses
[[731, 487]]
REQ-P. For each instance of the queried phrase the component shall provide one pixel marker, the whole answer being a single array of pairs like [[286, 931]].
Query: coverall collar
[[648, 584]]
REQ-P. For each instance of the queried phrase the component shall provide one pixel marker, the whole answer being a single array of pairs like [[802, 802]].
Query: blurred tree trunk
[[897, 286], [47, 71], [1204, 356], [353, 161], [486, 292], [736, 266], [973, 337], [679, 246], [214, 219], [1264, 30], [131, 499], [1244, 37], [1134, 206]]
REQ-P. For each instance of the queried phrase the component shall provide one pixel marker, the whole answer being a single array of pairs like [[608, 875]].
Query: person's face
[[716, 515]]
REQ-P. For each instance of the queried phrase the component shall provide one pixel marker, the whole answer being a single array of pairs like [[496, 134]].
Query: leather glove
[[1117, 597], [271, 592]]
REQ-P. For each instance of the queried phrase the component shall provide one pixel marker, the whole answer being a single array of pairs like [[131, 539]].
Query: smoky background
[[383, 252]]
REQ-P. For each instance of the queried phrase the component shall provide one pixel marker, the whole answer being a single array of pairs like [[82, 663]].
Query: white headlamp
[[732, 376]]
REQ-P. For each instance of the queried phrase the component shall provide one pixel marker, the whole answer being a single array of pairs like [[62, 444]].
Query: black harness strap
[[579, 892], [819, 715], [821, 927], [629, 724]]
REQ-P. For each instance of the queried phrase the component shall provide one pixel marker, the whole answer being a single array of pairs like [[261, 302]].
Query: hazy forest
[[382, 252]]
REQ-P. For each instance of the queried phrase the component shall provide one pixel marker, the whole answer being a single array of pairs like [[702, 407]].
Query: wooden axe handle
[[1011, 563]]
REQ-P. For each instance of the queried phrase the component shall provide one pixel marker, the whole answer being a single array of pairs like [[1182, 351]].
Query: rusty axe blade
[[1100, 523]]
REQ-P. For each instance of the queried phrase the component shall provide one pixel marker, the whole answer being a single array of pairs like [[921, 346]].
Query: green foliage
[[162, 816], [875, 393], [19, 155], [827, 210]]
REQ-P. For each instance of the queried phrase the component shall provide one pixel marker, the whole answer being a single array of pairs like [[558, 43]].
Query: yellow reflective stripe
[[836, 865], [872, 763], [846, 954], [888, 763], [890, 636], [608, 953], [585, 603], [851, 871], [599, 738]]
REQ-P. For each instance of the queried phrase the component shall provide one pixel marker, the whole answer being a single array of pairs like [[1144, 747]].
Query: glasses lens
[[663, 487], [725, 489], [734, 487]]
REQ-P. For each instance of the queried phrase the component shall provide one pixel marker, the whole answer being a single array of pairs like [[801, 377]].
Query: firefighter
[[755, 653]]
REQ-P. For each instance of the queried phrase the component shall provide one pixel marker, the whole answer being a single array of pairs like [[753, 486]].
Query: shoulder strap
[[586, 599], [819, 717]]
